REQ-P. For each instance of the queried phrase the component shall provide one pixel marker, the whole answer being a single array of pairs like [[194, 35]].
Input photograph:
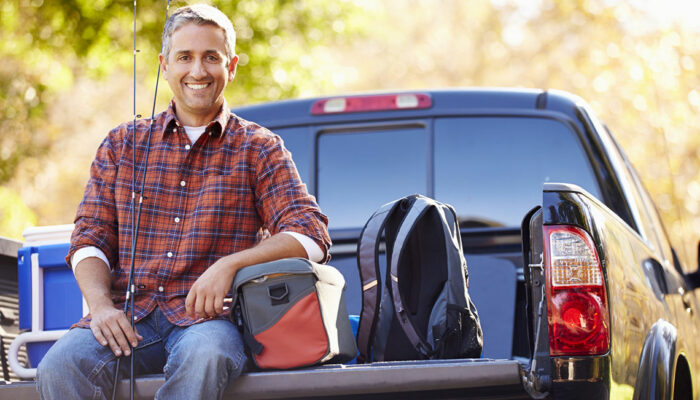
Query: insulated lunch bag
[[423, 309], [293, 314]]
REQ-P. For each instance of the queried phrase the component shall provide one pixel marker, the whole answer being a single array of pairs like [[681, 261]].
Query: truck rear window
[[491, 169], [359, 171], [298, 142]]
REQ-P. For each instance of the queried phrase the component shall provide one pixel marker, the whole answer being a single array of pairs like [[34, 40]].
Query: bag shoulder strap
[[370, 277], [419, 207], [457, 264]]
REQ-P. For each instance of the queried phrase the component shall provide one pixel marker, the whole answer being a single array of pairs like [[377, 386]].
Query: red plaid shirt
[[202, 201]]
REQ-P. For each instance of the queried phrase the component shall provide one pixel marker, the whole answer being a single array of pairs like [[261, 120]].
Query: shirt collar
[[217, 127]]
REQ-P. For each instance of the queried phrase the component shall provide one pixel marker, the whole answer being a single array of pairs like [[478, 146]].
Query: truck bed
[[440, 379]]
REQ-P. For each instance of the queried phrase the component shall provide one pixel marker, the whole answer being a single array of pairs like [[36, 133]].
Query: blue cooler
[[49, 297]]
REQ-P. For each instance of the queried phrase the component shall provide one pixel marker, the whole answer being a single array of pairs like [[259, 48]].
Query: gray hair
[[200, 14]]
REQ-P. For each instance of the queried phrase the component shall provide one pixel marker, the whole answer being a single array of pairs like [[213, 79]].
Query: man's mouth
[[197, 86]]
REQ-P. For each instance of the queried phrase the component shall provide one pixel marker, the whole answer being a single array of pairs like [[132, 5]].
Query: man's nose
[[198, 71]]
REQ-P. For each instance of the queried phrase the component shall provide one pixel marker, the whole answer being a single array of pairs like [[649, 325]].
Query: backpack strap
[[370, 277], [454, 250], [418, 209]]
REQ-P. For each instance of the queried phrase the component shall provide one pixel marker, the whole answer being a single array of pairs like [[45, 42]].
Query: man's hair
[[200, 14]]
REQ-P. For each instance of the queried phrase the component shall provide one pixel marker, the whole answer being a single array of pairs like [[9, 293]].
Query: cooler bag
[[293, 314]]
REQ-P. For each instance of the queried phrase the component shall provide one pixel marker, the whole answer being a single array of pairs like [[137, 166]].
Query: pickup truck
[[580, 292]]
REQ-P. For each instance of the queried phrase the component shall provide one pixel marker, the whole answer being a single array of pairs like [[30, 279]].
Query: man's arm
[[206, 298], [96, 218], [109, 324], [282, 200]]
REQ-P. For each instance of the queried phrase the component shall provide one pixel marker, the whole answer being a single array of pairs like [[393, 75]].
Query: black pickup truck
[[580, 293]]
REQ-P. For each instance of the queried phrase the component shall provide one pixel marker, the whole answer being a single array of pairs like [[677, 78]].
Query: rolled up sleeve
[[282, 199], [96, 221]]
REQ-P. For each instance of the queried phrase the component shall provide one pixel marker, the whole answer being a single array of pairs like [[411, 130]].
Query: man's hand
[[206, 297], [111, 328], [109, 325]]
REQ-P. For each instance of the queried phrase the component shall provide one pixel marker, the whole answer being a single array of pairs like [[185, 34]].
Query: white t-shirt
[[194, 132]]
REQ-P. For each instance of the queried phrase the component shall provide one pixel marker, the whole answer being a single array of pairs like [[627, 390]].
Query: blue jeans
[[199, 361]]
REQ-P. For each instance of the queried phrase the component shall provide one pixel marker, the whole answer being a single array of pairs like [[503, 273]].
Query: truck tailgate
[[442, 379]]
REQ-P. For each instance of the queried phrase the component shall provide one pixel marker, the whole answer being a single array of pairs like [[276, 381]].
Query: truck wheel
[[682, 386]]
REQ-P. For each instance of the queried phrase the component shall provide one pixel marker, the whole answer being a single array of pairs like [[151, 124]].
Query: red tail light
[[386, 102], [576, 299]]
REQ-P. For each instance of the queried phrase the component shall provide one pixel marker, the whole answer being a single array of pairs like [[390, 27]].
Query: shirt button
[[177, 219], [183, 183], [160, 288], [187, 147], [170, 254]]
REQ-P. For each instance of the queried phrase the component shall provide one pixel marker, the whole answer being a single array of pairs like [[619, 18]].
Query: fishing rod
[[136, 217]]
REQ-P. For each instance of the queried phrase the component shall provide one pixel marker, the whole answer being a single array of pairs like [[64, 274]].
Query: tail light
[[339, 105], [576, 298]]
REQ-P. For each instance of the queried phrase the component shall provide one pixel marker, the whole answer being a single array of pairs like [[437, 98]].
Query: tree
[[638, 73], [50, 48]]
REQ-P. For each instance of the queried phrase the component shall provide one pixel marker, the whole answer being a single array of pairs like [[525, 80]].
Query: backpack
[[424, 310], [292, 314]]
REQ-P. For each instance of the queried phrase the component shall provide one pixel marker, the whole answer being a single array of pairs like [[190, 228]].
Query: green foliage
[[67, 64], [15, 216], [637, 69], [47, 44]]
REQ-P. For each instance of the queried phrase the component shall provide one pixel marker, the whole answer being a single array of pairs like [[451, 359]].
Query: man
[[213, 183]]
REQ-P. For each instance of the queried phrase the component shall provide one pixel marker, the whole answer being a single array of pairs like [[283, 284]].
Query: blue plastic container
[[354, 322], [62, 303]]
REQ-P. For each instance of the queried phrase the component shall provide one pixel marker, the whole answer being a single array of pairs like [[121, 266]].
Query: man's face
[[197, 72]]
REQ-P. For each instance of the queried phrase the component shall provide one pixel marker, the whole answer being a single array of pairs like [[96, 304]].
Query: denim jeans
[[199, 361]]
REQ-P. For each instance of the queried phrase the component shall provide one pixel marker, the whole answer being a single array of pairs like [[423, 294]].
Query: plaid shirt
[[200, 203]]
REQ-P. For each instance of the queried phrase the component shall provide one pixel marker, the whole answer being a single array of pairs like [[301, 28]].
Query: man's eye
[[183, 58], [213, 58]]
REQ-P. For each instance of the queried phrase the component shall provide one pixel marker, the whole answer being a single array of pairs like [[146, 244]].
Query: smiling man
[[214, 184]]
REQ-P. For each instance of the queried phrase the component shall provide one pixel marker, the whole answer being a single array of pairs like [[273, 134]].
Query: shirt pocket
[[224, 192], [225, 208]]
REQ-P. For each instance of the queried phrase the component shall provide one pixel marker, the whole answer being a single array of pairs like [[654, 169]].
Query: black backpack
[[424, 310]]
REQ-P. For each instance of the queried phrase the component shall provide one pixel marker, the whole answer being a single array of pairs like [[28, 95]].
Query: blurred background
[[66, 77]]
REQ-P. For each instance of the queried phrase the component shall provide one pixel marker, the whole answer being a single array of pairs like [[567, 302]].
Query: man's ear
[[163, 64], [232, 68]]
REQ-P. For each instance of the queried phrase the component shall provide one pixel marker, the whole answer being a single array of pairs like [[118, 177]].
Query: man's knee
[[59, 366], [75, 354], [58, 361], [213, 351], [48, 368]]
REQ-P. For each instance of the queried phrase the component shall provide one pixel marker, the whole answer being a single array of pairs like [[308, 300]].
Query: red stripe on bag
[[297, 339]]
